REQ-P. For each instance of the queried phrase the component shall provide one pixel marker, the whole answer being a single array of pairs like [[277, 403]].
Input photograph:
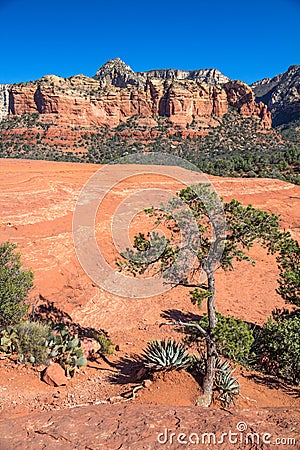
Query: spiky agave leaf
[[165, 355], [227, 385]]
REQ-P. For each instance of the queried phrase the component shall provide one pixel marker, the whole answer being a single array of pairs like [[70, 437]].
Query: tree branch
[[187, 324]]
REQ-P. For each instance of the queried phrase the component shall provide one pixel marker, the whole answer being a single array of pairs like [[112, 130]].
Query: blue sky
[[246, 40]]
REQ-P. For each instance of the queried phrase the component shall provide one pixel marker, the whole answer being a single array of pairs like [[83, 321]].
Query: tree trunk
[[209, 378]]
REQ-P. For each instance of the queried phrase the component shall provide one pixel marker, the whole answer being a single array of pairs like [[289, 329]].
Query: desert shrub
[[15, 284], [38, 343], [289, 264], [65, 349], [279, 345], [27, 340], [226, 385], [31, 343], [106, 345], [233, 336]]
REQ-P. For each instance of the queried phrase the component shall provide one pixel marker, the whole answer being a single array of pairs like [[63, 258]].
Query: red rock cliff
[[82, 101]]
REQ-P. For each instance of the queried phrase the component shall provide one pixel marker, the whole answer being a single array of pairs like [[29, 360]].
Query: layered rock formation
[[281, 94], [115, 72], [209, 76], [4, 100], [117, 93]]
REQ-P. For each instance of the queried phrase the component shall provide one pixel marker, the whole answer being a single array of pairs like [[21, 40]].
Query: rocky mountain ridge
[[281, 94], [200, 115], [116, 93], [115, 72], [209, 76]]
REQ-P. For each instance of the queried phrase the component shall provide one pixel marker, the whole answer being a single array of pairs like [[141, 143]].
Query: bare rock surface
[[135, 427]]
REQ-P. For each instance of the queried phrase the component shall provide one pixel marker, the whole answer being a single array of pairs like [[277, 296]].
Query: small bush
[[28, 340], [226, 384], [37, 342], [15, 284], [32, 341], [279, 345], [106, 346], [233, 336]]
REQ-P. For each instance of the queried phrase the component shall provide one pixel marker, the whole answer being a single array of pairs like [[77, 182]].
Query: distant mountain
[[224, 126], [189, 99], [281, 94], [115, 72]]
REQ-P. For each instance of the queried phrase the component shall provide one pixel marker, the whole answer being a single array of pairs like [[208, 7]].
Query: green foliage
[[279, 345], [15, 284], [8, 341], [244, 225], [227, 385], [236, 147], [148, 251], [198, 295], [106, 345], [37, 343], [31, 341], [65, 349], [289, 265], [166, 355], [233, 336]]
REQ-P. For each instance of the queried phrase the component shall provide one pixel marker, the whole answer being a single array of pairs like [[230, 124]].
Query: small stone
[[89, 347], [40, 367], [54, 375], [147, 383], [141, 374]]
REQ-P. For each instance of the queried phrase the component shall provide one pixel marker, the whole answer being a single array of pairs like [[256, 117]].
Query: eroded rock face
[[281, 94], [209, 76], [83, 101], [117, 93], [241, 96], [116, 73], [4, 100]]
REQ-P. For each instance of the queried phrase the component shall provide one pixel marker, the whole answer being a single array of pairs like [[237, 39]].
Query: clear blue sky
[[246, 40]]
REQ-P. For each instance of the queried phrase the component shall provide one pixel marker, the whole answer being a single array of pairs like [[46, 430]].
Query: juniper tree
[[15, 284], [226, 232]]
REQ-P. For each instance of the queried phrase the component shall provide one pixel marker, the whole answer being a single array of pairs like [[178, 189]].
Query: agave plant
[[226, 384], [198, 363], [166, 355]]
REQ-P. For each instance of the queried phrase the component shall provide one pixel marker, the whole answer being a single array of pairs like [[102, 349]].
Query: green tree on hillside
[[15, 284], [244, 226]]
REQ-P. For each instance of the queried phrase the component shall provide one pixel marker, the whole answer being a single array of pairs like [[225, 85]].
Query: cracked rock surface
[[134, 427]]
